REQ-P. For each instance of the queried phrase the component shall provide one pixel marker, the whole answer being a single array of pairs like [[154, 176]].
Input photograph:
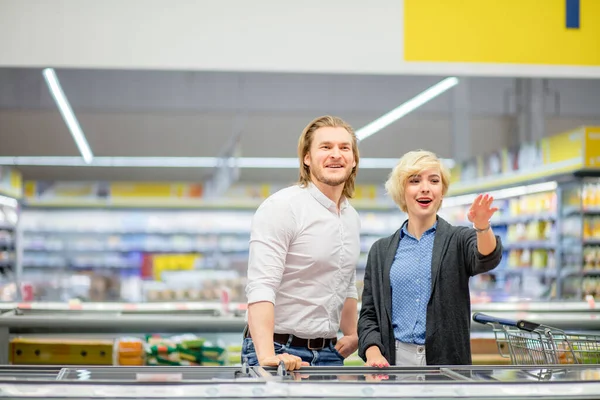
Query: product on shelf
[[60, 351], [533, 204], [591, 286], [184, 350], [129, 351], [591, 257], [591, 227], [590, 195]]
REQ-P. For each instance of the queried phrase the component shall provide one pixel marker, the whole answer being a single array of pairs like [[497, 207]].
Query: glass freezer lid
[[524, 374], [567, 373], [368, 374], [13, 372], [570, 373], [152, 374]]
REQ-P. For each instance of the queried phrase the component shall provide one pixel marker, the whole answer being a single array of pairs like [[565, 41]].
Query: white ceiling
[[160, 113]]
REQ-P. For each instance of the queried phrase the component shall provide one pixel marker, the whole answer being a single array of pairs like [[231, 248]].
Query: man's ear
[[307, 159]]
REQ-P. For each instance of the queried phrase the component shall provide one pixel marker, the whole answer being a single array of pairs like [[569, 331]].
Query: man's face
[[331, 157]]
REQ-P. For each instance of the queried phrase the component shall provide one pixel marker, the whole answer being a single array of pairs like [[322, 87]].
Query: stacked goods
[[129, 351], [183, 350], [60, 351]]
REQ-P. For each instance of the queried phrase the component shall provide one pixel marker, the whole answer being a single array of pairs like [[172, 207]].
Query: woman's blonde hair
[[305, 142], [411, 164]]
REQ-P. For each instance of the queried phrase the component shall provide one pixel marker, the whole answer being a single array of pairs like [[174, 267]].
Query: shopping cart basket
[[529, 343]]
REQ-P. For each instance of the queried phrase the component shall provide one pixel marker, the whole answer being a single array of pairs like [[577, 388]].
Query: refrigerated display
[[179, 328], [545, 382]]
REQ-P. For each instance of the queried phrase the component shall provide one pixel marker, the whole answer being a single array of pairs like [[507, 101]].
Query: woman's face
[[423, 193]]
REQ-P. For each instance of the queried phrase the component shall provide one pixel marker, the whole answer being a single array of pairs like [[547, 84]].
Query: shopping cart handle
[[485, 319], [521, 324]]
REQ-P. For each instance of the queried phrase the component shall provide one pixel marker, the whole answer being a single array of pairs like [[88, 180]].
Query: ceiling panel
[[180, 113]]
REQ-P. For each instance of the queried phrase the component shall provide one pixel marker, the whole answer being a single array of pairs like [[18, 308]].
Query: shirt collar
[[324, 200], [404, 230]]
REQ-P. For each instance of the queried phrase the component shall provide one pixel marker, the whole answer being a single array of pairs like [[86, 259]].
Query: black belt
[[311, 344]]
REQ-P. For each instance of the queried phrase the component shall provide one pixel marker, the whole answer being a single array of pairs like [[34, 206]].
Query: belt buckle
[[311, 347]]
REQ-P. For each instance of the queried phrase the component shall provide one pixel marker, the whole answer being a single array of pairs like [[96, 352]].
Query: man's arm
[[349, 321], [271, 232], [261, 321], [349, 326]]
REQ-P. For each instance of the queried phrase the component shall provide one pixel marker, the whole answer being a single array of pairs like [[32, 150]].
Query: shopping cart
[[529, 343]]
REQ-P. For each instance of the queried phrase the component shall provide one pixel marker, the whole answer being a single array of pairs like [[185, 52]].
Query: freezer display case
[[548, 382], [110, 322]]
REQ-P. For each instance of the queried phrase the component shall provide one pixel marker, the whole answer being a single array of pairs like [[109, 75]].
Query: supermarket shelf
[[578, 271], [510, 220], [590, 271], [238, 204], [134, 231], [6, 227], [7, 245], [199, 306], [530, 245], [574, 211], [190, 249], [107, 265], [525, 271], [537, 306], [116, 322]]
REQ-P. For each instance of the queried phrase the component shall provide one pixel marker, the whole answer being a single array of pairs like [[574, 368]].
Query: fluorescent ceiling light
[[405, 108], [67, 113]]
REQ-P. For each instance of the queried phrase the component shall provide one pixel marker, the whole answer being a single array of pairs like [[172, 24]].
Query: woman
[[416, 304]]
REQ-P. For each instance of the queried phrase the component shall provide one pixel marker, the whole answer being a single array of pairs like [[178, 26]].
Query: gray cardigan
[[447, 331]]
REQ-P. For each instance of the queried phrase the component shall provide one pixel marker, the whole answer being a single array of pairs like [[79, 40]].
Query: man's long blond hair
[[305, 142]]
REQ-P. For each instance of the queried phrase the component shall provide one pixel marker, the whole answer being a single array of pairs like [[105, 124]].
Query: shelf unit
[[580, 238], [527, 226], [9, 216], [152, 254], [550, 232], [551, 240]]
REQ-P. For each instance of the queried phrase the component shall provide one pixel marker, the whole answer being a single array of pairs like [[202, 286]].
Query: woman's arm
[[369, 334]]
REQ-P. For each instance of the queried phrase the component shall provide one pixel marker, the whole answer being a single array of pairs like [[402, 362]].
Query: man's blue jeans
[[327, 356]]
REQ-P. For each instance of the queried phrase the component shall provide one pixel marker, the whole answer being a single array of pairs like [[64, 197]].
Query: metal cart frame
[[530, 343]]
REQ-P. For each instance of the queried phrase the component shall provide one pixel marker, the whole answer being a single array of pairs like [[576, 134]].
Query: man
[[304, 247]]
